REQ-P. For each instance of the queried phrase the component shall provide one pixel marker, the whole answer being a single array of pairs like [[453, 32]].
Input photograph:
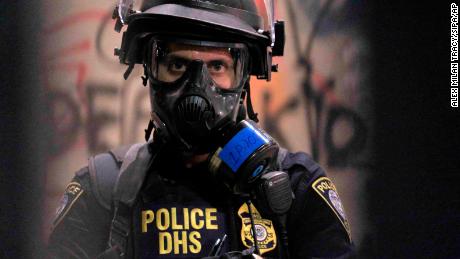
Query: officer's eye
[[177, 65], [217, 66]]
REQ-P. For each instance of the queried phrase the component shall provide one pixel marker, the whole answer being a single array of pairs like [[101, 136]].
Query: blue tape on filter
[[241, 146]]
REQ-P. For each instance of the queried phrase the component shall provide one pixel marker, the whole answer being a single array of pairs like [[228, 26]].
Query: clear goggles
[[226, 63]]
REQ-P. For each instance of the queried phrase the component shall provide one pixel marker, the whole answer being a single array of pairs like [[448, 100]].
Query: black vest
[[162, 210]]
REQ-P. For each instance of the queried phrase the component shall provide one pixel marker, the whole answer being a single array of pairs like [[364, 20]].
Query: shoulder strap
[[116, 178], [104, 170], [133, 172], [288, 162]]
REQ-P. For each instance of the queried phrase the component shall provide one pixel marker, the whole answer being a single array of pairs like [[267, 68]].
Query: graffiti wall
[[319, 102], [91, 108]]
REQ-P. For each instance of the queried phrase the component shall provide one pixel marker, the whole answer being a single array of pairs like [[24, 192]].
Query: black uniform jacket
[[184, 214]]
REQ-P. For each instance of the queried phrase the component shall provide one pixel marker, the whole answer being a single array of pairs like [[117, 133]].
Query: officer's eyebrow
[[228, 60], [174, 57]]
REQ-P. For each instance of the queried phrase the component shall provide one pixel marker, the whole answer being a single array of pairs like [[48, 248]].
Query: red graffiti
[[325, 87], [73, 49], [88, 15]]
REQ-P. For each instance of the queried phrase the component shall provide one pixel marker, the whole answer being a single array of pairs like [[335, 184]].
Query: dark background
[[21, 131], [412, 195]]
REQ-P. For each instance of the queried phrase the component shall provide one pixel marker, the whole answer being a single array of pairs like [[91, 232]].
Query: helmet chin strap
[[160, 128], [251, 114], [148, 130]]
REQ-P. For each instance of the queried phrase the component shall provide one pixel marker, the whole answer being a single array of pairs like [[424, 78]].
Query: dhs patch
[[328, 192], [72, 192], [174, 231]]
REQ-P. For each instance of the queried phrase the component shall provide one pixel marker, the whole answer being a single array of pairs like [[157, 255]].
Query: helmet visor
[[123, 9], [226, 63]]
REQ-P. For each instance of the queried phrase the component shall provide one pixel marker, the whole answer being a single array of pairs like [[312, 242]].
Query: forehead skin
[[206, 54]]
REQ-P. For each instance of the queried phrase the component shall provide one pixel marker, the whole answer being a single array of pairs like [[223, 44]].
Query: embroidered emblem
[[328, 192], [265, 231], [70, 196]]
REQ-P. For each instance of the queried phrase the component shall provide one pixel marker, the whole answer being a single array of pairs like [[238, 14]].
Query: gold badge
[[328, 192], [265, 231]]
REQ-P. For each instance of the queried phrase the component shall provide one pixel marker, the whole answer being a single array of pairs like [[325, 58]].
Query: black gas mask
[[195, 90]]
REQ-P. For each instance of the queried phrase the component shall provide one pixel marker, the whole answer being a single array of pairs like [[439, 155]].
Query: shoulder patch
[[328, 192], [70, 196]]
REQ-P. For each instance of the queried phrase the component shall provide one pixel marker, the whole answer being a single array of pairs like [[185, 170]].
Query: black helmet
[[247, 21]]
